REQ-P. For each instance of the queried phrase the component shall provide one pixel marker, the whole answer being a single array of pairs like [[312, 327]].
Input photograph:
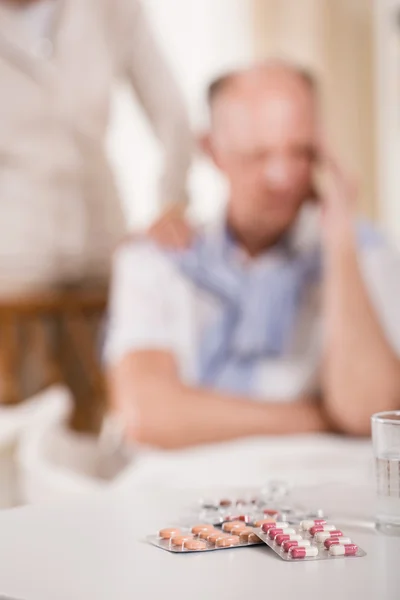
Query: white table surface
[[93, 548]]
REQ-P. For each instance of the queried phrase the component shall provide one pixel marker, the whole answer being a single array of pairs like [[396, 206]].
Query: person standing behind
[[60, 214]]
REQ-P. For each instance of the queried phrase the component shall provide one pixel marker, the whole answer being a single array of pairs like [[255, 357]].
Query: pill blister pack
[[205, 537], [314, 539], [249, 510]]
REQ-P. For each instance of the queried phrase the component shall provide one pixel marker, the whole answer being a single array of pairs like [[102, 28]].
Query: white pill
[[322, 536], [301, 552], [281, 525], [306, 525], [343, 550], [344, 541]]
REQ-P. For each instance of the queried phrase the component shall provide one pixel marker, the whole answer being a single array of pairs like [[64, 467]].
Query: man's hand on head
[[172, 230], [338, 198]]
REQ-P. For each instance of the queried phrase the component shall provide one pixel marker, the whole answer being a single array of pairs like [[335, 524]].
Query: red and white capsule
[[295, 544], [343, 550], [272, 533], [285, 537], [343, 541], [306, 525], [318, 528], [321, 536], [299, 552]]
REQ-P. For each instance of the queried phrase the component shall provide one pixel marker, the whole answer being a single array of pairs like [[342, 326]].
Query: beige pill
[[238, 528], [179, 540], [213, 537], [197, 529], [195, 545], [226, 542], [261, 522], [231, 524], [204, 535], [249, 537], [167, 534]]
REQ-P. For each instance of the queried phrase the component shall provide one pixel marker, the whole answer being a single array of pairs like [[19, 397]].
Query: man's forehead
[[267, 106]]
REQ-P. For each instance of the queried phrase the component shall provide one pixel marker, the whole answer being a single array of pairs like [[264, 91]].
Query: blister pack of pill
[[205, 537], [249, 510], [314, 539]]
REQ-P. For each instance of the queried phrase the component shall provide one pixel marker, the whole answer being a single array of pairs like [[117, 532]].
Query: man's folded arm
[[160, 410]]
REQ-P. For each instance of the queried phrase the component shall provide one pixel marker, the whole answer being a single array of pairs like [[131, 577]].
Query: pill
[[283, 537], [343, 550], [272, 533], [167, 534], [301, 552], [270, 512], [318, 528], [336, 540], [306, 525], [293, 543], [241, 502], [321, 536], [224, 503], [244, 518], [195, 545], [262, 522], [227, 541], [268, 526], [230, 525], [199, 528], [203, 535], [248, 536], [213, 537], [238, 528], [179, 540]]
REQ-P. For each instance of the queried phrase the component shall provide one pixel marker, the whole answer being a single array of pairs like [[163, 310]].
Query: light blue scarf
[[259, 305]]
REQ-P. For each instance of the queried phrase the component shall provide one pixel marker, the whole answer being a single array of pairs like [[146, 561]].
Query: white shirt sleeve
[[143, 301], [381, 270]]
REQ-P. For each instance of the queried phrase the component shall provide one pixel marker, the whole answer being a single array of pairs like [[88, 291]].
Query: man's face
[[263, 140]]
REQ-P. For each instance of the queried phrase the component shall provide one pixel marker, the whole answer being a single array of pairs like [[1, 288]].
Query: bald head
[[263, 137]]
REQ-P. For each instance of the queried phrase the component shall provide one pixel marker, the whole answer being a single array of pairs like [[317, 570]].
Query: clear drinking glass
[[386, 442]]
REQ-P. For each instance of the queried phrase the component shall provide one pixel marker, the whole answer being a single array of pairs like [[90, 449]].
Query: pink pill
[[318, 528], [299, 552], [268, 526], [284, 537], [294, 544], [336, 540], [281, 537], [274, 532]]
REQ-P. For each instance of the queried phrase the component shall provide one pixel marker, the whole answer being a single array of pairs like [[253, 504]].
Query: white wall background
[[200, 38]]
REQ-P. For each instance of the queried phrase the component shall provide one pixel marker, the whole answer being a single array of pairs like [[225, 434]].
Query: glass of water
[[386, 442]]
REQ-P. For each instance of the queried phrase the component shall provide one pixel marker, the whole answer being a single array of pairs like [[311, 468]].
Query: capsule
[[318, 528], [270, 512], [334, 541], [321, 536], [284, 537], [299, 552], [306, 525], [295, 544], [343, 550], [262, 522], [272, 533], [274, 525]]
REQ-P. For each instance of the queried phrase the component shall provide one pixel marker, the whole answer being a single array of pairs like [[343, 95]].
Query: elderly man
[[281, 317]]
